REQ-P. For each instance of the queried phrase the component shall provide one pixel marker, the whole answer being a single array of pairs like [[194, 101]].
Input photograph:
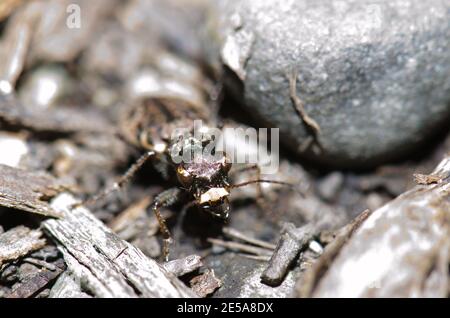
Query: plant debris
[[18, 242], [205, 284], [28, 191], [426, 179], [102, 260], [66, 287], [240, 247], [292, 241], [182, 266], [35, 284]]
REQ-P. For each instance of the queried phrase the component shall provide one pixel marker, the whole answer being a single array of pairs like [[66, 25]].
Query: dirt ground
[[66, 146]]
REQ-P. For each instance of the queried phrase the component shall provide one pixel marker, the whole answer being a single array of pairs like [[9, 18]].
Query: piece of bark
[[292, 241], [28, 191], [18, 242], [401, 250], [36, 283], [67, 287], [205, 284], [426, 179], [106, 265], [60, 119], [182, 266]]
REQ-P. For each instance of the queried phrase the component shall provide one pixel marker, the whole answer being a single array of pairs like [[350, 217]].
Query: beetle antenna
[[291, 185], [261, 181]]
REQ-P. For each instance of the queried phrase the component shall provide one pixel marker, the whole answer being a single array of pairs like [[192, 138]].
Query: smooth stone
[[375, 76]]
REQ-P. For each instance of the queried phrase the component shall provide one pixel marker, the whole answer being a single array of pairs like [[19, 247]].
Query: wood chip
[[37, 282], [18, 242], [106, 265], [205, 284], [292, 241], [182, 266], [28, 191], [426, 179], [39, 263]]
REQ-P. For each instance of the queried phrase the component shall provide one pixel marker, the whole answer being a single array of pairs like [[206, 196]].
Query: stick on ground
[[292, 241]]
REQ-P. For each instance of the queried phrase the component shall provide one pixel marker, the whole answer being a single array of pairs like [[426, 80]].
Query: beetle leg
[[164, 199]]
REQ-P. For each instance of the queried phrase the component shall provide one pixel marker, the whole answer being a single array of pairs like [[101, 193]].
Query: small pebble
[[316, 247], [329, 187]]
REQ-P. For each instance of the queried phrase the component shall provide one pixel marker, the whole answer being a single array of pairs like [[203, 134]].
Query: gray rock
[[374, 75]]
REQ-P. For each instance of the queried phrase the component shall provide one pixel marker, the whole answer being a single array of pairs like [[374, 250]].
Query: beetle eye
[[184, 176]]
